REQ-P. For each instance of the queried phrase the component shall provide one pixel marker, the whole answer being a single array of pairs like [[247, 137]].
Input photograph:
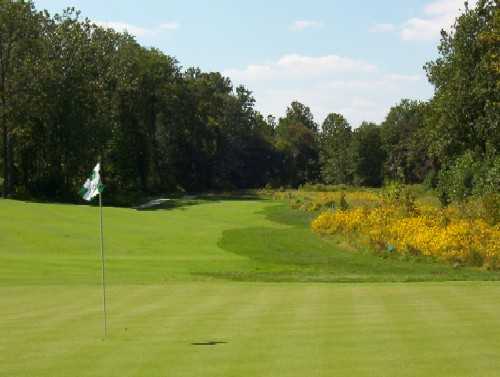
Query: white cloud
[[403, 78], [326, 84], [382, 28], [169, 26], [135, 30], [123, 26], [306, 24], [436, 16], [440, 7], [295, 66]]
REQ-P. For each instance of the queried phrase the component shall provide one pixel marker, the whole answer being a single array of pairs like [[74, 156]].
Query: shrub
[[343, 205], [456, 182], [428, 231], [491, 208], [469, 176], [392, 191], [431, 180], [487, 180]]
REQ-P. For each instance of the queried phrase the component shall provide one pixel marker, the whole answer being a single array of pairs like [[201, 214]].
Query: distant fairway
[[246, 273]]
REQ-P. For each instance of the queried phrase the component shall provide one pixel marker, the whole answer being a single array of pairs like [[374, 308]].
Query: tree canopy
[[72, 92]]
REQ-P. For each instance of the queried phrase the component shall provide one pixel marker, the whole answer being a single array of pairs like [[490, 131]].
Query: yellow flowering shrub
[[429, 231], [345, 222], [464, 233]]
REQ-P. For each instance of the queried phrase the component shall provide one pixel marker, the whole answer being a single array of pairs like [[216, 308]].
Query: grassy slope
[[233, 239], [163, 297]]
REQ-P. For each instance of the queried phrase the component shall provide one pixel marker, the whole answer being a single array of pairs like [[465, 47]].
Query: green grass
[[245, 272]]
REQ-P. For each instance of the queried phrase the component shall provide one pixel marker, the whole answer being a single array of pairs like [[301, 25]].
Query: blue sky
[[356, 57]]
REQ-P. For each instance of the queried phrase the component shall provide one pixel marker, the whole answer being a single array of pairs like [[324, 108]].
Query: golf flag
[[92, 186]]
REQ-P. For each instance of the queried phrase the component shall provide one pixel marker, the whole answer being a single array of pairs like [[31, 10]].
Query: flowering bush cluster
[[442, 233]]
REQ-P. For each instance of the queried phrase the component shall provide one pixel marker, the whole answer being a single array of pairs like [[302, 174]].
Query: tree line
[[72, 93]]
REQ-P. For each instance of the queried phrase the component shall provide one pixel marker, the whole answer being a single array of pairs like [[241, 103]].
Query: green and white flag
[[92, 186]]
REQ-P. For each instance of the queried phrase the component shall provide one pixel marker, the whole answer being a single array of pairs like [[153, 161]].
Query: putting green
[[271, 329], [171, 284]]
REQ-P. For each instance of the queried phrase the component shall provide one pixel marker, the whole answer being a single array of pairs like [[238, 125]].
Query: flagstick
[[103, 271]]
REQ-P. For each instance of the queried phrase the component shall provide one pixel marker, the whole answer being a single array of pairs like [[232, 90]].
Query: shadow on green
[[191, 200]]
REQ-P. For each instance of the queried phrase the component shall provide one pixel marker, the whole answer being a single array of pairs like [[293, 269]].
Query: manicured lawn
[[246, 273]]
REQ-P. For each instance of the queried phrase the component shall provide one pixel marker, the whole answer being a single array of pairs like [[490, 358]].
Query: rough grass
[[294, 253], [170, 275]]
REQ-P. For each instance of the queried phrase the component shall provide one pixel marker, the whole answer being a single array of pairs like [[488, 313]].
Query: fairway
[[247, 190], [229, 287]]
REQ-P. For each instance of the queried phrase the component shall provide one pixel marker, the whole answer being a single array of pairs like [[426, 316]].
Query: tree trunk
[[10, 163], [6, 162], [4, 60], [3, 120], [154, 163]]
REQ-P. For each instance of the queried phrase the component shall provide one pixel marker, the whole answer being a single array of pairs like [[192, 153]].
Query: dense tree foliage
[[337, 159], [463, 118], [403, 141], [297, 144], [72, 93], [465, 112], [369, 155]]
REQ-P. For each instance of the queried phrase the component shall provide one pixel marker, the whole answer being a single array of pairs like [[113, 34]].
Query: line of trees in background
[[72, 92]]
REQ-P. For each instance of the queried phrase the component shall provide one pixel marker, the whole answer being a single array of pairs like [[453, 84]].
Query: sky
[[354, 57]]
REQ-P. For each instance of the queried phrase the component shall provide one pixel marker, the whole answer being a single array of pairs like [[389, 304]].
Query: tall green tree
[[465, 111], [405, 142], [20, 33], [369, 155], [297, 142], [336, 152], [299, 113]]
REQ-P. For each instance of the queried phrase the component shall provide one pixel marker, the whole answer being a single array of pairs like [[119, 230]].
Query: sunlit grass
[[228, 288]]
